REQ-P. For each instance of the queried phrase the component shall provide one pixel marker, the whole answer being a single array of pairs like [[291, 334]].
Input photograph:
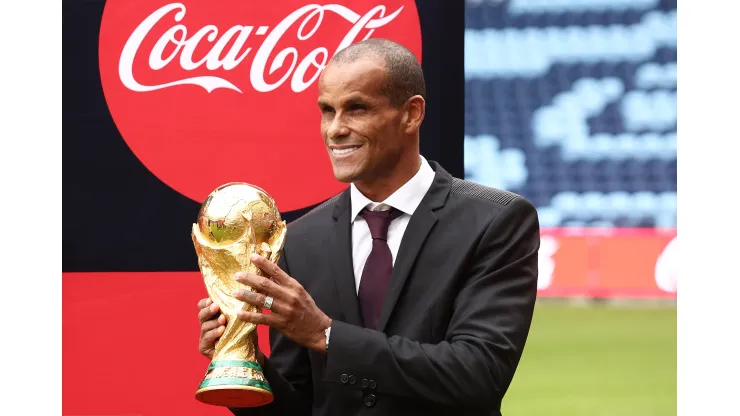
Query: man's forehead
[[358, 75]]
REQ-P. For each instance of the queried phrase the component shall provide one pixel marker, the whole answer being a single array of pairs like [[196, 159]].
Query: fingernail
[[221, 328], [254, 256], [235, 292], [214, 307]]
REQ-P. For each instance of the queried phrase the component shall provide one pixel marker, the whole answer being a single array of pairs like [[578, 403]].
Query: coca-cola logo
[[208, 92]]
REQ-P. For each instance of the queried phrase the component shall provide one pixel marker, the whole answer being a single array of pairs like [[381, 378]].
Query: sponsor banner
[[204, 92], [607, 263]]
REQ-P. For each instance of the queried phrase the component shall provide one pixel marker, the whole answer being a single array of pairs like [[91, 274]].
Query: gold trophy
[[235, 221]]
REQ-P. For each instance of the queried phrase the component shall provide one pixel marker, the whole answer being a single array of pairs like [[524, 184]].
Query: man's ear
[[414, 110]]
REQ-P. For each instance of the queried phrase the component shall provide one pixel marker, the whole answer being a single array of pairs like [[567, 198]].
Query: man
[[410, 293]]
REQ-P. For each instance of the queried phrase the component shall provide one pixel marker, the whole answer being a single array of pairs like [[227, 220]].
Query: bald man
[[409, 293]]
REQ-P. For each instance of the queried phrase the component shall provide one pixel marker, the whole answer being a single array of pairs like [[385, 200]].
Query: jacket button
[[344, 378], [372, 384], [365, 383], [369, 400], [352, 379]]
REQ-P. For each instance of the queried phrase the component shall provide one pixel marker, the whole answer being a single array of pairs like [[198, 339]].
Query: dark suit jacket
[[455, 319]]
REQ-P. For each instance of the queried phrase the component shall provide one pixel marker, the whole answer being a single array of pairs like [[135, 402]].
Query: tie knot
[[378, 221]]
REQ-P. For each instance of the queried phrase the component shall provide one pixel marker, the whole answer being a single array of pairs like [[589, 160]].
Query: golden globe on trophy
[[235, 221]]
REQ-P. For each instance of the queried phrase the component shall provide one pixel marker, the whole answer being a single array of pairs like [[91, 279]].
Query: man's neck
[[380, 189]]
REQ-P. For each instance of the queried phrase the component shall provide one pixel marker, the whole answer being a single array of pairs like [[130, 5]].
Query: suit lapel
[[417, 231], [340, 250]]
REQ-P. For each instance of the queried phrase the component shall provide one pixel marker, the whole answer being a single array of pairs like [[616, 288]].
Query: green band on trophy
[[236, 381], [235, 363]]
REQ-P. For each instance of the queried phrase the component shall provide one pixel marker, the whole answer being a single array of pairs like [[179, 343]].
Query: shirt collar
[[406, 199]]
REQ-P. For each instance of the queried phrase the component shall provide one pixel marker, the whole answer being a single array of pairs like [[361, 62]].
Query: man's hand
[[294, 313], [212, 326]]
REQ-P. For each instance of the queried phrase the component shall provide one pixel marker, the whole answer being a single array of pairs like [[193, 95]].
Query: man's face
[[362, 131]]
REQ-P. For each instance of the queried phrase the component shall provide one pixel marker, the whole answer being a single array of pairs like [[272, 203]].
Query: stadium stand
[[572, 103]]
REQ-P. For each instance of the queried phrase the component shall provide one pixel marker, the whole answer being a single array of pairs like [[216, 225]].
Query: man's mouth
[[344, 151]]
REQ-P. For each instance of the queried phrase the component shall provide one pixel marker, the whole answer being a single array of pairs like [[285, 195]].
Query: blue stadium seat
[[668, 202], [549, 217], [567, 203], [593, 204], [575, 223], [602, 224], [645, 202]]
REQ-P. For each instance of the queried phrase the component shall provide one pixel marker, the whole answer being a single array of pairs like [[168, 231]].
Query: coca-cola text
[[299, 68]]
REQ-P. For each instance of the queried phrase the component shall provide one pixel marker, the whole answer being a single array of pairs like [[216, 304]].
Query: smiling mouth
[[345, 151]]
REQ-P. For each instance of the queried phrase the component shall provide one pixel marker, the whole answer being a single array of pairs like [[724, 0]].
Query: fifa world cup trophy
[[235, 221]]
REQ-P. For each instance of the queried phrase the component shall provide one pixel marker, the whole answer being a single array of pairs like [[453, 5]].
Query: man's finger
[[213, 334], [272, 269], [258, 300], [209, 325], [262, 285], [258, 318], [207, 312], [203, 303]]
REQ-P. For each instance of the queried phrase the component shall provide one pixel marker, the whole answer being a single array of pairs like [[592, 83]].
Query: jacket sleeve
[[490, 322], [288, 371]]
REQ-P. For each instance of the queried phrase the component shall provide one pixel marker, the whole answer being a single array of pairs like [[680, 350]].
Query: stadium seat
[[572, 103]]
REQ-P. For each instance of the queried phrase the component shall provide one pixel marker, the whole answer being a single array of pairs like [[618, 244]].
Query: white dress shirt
[[406, 199]]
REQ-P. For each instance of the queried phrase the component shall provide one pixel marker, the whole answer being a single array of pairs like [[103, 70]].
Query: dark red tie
[[376, 275]]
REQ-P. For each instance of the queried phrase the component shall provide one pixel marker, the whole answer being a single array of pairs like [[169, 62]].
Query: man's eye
[[357, 107]]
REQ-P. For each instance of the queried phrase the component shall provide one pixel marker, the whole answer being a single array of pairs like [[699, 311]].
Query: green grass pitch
[[597, 361]]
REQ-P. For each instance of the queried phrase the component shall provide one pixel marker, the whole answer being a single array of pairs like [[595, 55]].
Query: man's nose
[[337, 129]]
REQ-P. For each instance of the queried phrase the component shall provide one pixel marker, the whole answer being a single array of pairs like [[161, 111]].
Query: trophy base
[[234, 383]]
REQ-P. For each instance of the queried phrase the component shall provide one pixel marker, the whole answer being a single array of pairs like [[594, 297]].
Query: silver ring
[[268, 303]]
